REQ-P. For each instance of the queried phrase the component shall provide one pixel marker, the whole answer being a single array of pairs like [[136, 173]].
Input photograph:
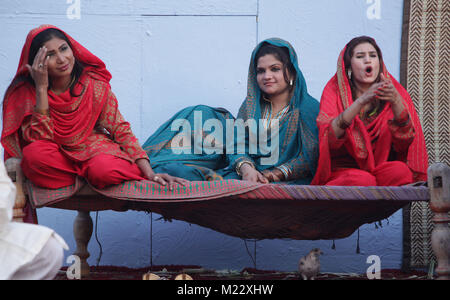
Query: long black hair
[[348, 54], [38, 41], [281, 54]]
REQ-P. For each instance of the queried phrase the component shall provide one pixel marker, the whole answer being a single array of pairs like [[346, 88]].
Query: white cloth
[[45, 265], [20, 243]]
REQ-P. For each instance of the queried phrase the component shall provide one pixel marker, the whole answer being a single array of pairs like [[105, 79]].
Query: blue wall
[[168, 54]]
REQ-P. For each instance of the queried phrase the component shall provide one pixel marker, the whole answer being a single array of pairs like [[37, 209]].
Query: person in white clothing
[[27, 251]]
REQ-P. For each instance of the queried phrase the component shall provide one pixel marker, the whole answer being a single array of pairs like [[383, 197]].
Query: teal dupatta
[[298, 133], [297, 136], [177, 147]]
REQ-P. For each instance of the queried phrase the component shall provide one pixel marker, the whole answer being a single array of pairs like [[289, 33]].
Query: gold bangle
[[403, 120], [277, 172], [269, 174], [241, 163], [341, 123], [44, 112]]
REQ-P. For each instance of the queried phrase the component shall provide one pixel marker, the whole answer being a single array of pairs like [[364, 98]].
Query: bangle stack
[[341, 123], [286, 172], [270, 175], [277, 172], [403, 120], [240, 164], [44, 112]]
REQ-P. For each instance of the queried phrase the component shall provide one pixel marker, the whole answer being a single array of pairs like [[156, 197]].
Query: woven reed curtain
[[425, 72]]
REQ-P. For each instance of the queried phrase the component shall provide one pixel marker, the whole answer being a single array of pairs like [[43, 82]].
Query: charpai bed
[[249, 210]]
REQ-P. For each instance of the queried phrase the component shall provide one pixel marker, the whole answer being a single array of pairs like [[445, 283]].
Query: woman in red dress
[[61, 117], [369, 131]]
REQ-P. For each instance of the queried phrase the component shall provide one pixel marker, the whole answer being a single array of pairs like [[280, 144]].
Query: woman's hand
[[39, 73], [163, 179], [166, 179], [388, 92], [251, 174], [271, 176], [39, 70], [371, 94]]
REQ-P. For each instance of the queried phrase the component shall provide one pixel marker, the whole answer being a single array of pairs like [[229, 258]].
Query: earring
[[349, 73], [291, 83]]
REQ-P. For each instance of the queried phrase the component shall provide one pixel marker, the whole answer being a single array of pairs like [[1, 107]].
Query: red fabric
[[46, 166], [83, 126], [368, 146], [392, 173], [80, 128], [112, 135], [74, 117]]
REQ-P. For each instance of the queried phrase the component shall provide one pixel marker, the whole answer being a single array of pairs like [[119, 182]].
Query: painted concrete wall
[[168, 54]]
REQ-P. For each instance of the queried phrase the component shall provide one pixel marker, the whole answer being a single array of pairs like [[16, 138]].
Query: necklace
[[363, 114]]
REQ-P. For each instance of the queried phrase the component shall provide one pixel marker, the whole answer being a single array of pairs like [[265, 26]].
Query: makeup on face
[[365, 64], [270, 75], [60, 58]]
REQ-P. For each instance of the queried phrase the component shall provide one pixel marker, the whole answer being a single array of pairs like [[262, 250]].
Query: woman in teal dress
[[274, 138]]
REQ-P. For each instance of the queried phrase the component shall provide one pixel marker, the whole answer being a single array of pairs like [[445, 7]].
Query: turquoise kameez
[[193, 147]]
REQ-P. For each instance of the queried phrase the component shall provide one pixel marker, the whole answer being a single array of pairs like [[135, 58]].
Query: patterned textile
[[83, 126], [243, 209], [298, 139], [296, 155], [368, 146], [425, 72], [184, 153]]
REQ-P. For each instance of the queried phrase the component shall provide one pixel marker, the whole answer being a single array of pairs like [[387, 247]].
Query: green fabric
[[298, 133], [194, 163], [298, 136]]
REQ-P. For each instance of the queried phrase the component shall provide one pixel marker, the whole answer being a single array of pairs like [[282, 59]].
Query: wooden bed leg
[[15, 173], [82, 231], [439, 185]]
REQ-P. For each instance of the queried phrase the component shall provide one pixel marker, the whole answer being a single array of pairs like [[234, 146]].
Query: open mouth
[[369, 70]]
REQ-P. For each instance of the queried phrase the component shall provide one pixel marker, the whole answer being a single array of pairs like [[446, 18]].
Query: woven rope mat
[[425, 72]]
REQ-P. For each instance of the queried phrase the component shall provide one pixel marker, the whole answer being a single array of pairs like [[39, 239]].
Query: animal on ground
[[309, 265]]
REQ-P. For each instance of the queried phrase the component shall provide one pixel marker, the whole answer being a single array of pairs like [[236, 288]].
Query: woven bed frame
[[249, 210]]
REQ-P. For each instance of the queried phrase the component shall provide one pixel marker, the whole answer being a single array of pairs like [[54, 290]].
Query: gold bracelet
[[44, 112], [241, 163], [269, 174], [277, 172], [341, 123], [403, 120]]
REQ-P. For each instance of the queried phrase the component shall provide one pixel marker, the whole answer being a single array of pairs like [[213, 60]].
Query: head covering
[[336, 98], [298, 134], [73, 117]]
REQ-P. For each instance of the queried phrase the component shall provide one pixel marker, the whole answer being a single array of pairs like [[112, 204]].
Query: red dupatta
[[73, 117], [336, 97]]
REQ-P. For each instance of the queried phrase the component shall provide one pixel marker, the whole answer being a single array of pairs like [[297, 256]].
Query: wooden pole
[[439, 185], [16, 175], [82, 231]]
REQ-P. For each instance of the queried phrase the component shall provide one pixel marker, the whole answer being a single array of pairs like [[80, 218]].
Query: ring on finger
[[156, 178], [40, 65]]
